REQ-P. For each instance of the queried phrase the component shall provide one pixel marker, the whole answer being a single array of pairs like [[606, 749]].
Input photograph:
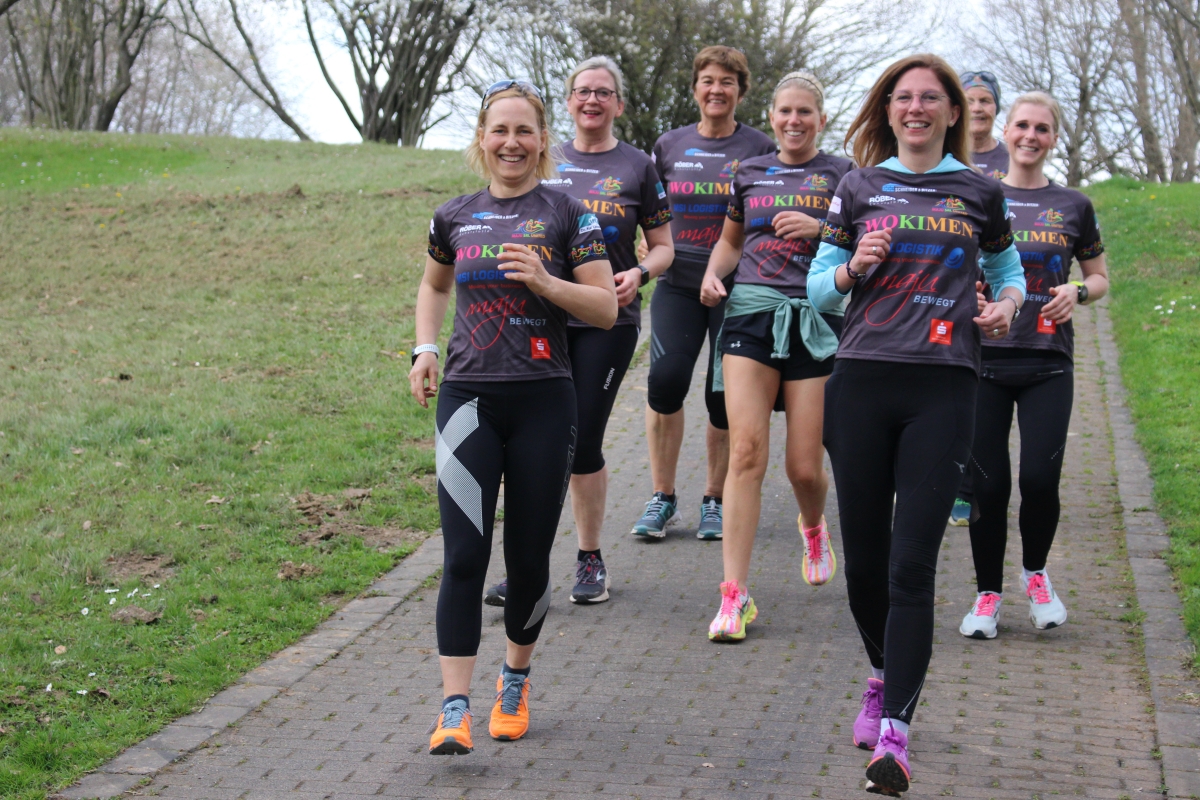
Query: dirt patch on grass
[[326, 517], [146, 568]]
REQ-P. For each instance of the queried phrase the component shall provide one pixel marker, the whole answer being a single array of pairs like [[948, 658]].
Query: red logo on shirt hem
[[539, 347], [1046, 325], [940, 331]]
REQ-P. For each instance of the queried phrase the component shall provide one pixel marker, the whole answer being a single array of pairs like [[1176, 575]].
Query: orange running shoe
[[510, 715], [452, 731]]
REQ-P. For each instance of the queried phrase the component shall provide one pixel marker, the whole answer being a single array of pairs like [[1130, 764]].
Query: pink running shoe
[[866, 727], [1045, 609], [819, 561], [737, 611], [888, 772]]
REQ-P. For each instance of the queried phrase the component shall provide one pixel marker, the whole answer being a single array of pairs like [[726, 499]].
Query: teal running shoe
[[660, 512], [960, 515], [711, 523]]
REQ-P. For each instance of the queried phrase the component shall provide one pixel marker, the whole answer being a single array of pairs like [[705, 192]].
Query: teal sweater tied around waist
[[815, 333]]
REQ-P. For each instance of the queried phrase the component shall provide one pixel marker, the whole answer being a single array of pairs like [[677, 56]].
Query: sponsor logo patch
[[940, 331], [950, 205], [609, 187], [1047, 326], [588, 223], [835, 206], [696, 152], [885, 199], [492, 215], [532, 228], [1050, 218], [539, 348], [896, 188]]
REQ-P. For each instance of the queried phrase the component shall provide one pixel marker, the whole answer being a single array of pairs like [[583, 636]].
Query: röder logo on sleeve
[[955, 259], [539, 348], [940, 331]]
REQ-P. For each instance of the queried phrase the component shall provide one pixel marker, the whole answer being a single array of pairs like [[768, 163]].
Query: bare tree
[[196, 22], [130, 24], [1063, 47], [406, 55], [73, 58], [5, 5], [181, 87]]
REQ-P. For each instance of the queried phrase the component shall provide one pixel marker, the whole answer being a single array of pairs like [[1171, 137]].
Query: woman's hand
[[423, 378], [712, 290], [643, 249], [628, 283], [519, 263], [980, 298], [872, 250], [1061, 308], [795, 225], [996, 318]]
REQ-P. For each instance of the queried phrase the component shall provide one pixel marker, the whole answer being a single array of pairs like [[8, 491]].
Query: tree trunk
[[1133, 14]]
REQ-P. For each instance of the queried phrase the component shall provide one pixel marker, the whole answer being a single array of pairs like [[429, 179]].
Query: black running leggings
[[904, 429], [525, 431], [599, 360], [1043, 415], [678, 325]]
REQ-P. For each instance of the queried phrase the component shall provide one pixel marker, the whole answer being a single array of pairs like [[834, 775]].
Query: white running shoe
[[1045, 609], [981, 621]]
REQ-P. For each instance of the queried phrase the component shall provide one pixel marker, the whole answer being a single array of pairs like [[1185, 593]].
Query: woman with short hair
[[774, 343], [1031, 370], [696, 164], [520, 259], [902, 239], [618, 183]]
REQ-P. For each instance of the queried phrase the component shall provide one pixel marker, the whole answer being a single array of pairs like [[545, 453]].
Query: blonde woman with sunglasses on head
[[520, 259]]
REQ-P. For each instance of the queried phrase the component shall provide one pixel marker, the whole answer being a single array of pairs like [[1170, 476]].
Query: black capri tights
[[1043, 416], [524, 431], [599, 361], [903, 429], [678, 324]]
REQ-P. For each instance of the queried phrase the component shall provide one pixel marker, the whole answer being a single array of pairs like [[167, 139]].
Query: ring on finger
[[874, 250]]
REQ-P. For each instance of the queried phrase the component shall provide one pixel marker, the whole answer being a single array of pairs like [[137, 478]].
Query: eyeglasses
[[905, 99], [499, 86], [602, 95]]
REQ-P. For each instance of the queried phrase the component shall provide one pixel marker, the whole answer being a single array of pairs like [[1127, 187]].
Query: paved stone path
[[631, 700]]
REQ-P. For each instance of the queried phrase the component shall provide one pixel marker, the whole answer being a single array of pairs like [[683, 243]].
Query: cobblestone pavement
[[631, 700]]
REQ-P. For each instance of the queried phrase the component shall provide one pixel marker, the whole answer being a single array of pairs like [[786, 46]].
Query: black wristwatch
[[1082, 297], [645, 274]]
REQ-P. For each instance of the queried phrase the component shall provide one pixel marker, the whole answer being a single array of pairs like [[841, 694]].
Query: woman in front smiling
[[901, 239], [1032, 369], [773, 339], [520, 258]]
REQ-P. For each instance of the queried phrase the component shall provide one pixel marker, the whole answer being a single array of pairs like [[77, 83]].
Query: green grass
[[1152, 234], [250, 322]]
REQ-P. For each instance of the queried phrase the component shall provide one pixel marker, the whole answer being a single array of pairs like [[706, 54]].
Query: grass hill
[[202, 347]]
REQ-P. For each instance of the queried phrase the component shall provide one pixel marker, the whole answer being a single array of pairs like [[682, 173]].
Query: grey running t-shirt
[[765, 186], [1051, 226], [502, 330], [621, 187], [918, 306], [993, 163], [698, 173]]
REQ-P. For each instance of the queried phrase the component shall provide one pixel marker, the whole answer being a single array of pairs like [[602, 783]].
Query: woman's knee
[[748, 455], [668, 382]]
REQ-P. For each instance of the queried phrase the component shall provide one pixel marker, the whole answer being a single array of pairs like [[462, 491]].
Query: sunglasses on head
[[499, 86], [968, 77]]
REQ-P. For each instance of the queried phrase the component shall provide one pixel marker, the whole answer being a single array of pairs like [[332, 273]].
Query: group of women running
[[896, 306]]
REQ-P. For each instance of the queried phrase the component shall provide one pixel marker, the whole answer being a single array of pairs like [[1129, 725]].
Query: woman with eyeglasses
[[618, 183], [773, 342], [902, 238], [696, 164], [1032, 369], [520, 259]]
